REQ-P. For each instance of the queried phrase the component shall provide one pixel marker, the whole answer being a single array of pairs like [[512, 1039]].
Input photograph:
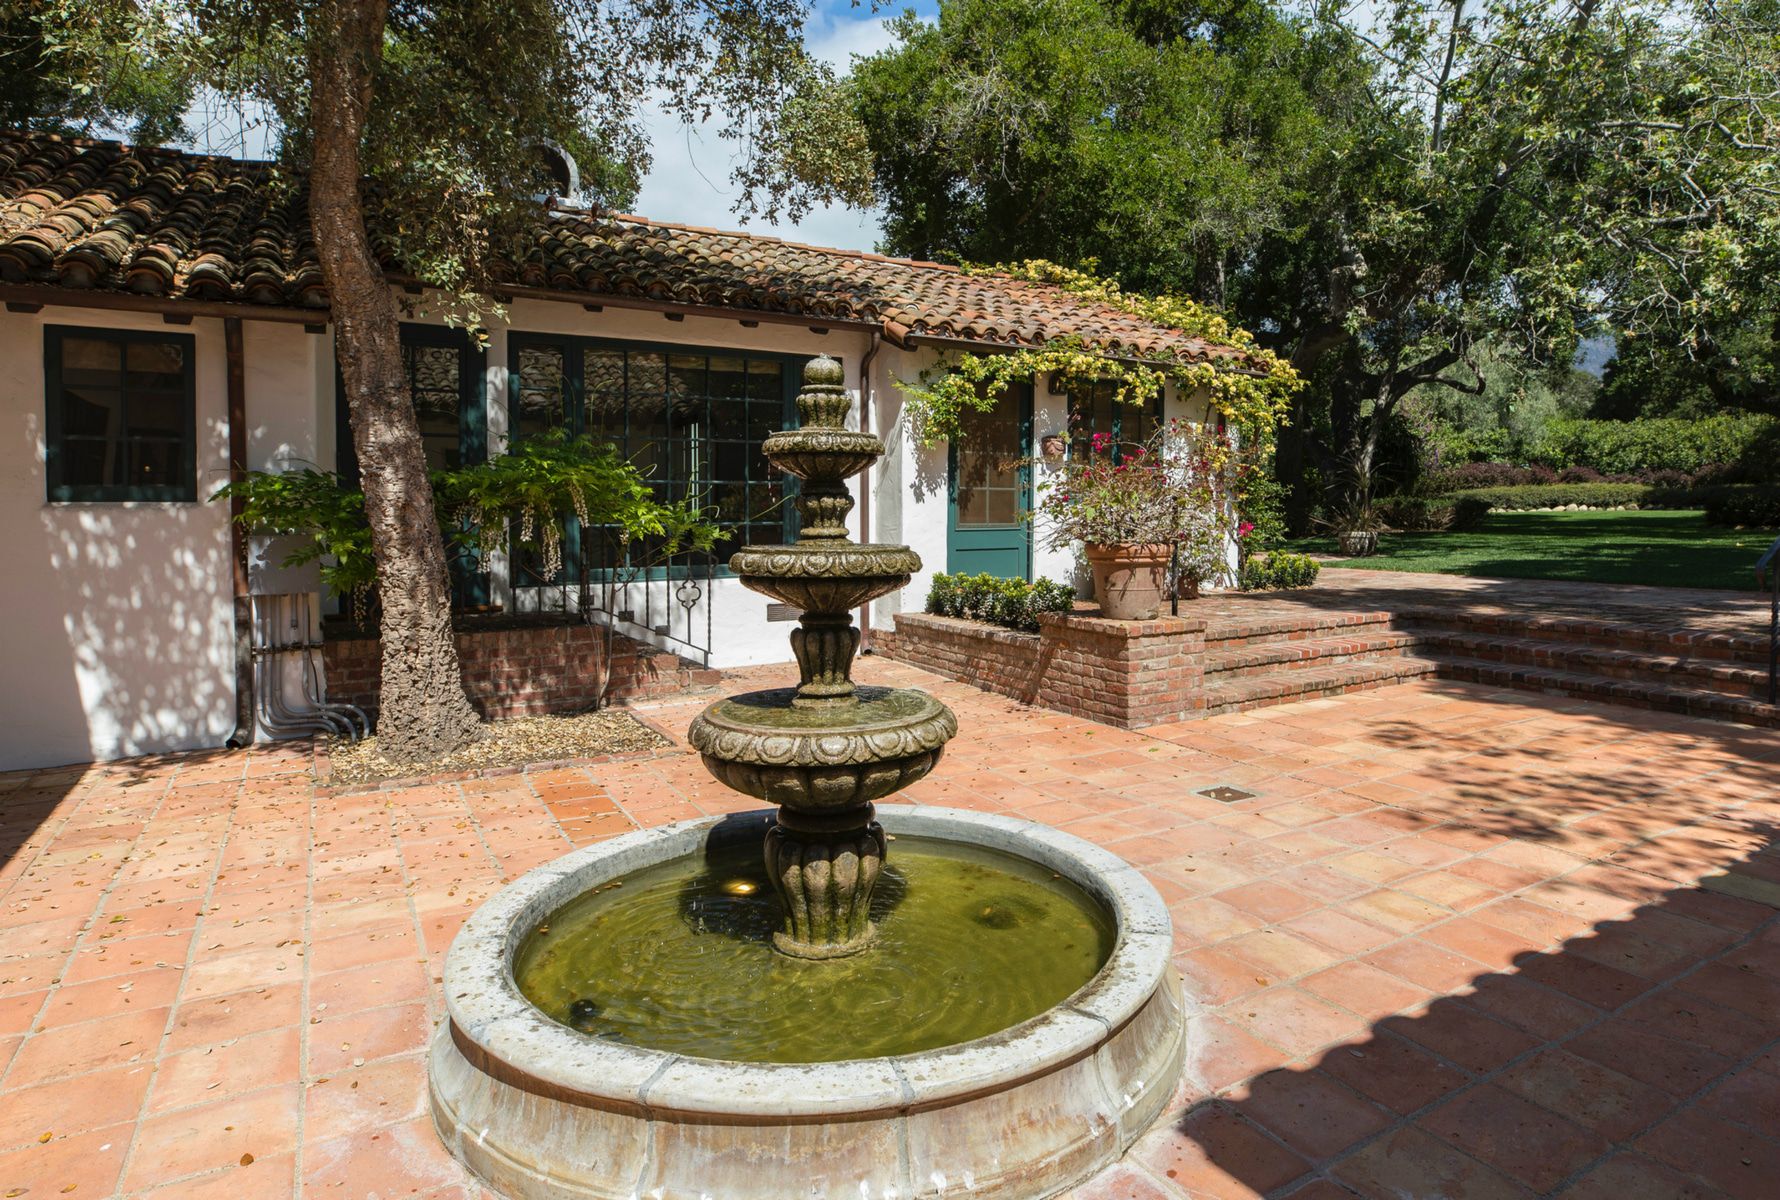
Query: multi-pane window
[[120, 421], [1097, 409], [444, 370], [691, 421], [990, 477]]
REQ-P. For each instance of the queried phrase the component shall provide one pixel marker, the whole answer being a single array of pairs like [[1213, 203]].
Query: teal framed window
[[1097, 409], [120, 417], [691, 419]]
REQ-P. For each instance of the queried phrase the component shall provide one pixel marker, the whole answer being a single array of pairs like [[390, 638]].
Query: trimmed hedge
[[1279, 570], [1557, 495], [1755, 506], [1749, 504], [1012, 603], [1420, 514], [1654, 444]]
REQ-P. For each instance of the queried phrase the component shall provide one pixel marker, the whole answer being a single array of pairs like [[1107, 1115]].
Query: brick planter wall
[[525, 670], [1131, 674]]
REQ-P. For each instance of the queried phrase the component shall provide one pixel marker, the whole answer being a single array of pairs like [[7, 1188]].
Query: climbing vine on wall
[[1254, 399]]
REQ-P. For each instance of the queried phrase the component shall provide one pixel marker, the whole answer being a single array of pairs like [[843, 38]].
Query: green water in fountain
[[679, 957]]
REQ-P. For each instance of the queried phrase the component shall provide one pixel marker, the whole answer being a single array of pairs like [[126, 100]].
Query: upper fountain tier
[[824, 572]]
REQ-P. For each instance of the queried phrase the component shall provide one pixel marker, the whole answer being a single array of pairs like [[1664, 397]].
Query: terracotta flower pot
[[1052, 447], [1129, 580]]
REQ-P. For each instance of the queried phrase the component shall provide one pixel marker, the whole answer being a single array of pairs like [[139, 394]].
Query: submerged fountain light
[[992, 1014]]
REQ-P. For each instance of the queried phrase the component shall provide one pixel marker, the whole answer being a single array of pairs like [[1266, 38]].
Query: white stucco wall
[[118, 629], [118, 634]]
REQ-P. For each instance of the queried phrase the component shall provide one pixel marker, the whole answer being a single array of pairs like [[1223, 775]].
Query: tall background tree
[[416, 128], [1377, 202]]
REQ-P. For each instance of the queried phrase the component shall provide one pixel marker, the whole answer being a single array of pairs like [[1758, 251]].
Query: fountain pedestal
[[825, 750]]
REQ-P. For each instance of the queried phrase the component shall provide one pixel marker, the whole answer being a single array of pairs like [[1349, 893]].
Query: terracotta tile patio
[[1459, 943]]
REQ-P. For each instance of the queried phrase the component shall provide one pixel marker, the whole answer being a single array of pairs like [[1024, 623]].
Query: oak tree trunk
[[423, 712]]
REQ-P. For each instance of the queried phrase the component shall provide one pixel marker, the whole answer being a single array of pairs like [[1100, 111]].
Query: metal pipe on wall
[[243, 603]]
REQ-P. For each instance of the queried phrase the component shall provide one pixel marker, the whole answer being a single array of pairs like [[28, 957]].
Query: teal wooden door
[[990, 490]]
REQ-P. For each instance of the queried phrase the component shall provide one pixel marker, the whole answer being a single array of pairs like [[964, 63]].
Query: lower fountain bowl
[[540, 1111]]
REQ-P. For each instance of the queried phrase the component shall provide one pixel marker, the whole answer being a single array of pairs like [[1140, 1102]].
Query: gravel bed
[[511, 743]]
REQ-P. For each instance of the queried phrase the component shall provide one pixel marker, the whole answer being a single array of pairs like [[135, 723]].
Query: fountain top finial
[[823, 370]]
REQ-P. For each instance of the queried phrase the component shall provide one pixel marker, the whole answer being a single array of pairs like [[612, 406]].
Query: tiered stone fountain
[[824, 751], [641, 1019]]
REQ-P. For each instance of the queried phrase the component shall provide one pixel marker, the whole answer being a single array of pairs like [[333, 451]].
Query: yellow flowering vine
[[1254, 397]]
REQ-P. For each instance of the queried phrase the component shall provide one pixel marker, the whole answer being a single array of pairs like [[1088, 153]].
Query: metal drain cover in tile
[[1228, 795]]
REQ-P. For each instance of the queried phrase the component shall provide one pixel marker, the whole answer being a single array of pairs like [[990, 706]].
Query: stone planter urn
[[1357, 543], [1129, 580]]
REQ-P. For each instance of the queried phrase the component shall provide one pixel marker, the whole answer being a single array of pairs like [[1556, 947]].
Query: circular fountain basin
[[540, 1109]]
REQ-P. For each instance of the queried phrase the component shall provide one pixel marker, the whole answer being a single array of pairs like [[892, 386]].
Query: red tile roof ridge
[[143, 148], [749, 235], [96, 215]]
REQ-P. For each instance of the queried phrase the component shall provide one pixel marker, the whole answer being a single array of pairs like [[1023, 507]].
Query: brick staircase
[[1282, 654], [1716, 676], [1304, 654]]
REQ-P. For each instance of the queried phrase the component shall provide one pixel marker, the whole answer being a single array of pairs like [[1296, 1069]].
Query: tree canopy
[[416, 130], [1377, 203]]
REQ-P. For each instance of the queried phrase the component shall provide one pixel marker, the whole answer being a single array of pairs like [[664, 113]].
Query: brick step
[[1363, 644], [1750, 648], [1684, 671], [1311, 682], [1300, 626], [1690, 701]]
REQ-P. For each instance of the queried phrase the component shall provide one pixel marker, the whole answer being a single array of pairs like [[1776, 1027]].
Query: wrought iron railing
[[663, 600], [1767, 575]]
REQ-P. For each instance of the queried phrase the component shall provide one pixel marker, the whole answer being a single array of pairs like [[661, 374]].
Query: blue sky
[[690, 178]]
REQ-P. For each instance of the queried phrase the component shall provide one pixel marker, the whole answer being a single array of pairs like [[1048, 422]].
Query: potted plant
[[1052, 447], [1162, 505], [1356, 527]]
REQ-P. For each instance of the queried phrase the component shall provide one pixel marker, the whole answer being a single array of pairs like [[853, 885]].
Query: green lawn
[[1676, 549]]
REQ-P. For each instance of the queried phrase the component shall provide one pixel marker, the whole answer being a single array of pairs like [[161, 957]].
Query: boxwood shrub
[[1012, 603], [1557, 495], [1755, 506], [1279, 570]]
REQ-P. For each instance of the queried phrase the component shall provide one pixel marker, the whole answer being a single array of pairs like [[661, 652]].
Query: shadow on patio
[[1624, 1047]]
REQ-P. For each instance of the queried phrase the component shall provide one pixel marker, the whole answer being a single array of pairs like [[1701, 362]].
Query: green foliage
[[1400, 208], [1744, 507], [1557, 495], [1677, 444], [1419, 514], [530, 493], [315, 505], [1260, 507], [1174, 489], [89, 70], [450, 140], [1253, 394], [1279, 569], [1012, 603], [544, 481]]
